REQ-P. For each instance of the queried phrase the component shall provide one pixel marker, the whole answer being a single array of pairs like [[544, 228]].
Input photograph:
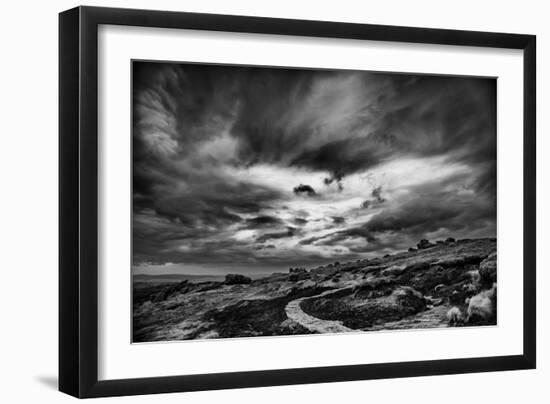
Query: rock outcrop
[[423, 244]]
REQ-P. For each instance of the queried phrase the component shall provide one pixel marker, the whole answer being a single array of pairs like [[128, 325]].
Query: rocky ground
[[443, 284]]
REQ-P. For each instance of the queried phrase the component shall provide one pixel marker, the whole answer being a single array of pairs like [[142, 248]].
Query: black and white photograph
[[276, 201]]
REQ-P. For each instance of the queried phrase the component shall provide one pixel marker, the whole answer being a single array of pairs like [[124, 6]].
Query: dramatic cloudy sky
[[260, 169]]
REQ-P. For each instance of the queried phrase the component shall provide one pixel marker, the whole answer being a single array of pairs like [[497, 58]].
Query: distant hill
[[175, 278]]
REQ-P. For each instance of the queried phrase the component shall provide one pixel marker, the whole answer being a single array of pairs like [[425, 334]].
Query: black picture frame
[[78, 201]]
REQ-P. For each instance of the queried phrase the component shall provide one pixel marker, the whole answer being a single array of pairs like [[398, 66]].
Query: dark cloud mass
[[376, 198], [274, 168], [304, 190], [338, 219], [289, 232], [299, 221], [263, 221]]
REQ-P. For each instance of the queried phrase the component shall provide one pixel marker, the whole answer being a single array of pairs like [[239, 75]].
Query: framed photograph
[[251, 201]]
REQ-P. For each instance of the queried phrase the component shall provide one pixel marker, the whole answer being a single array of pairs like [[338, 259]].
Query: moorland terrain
[[441, 284]]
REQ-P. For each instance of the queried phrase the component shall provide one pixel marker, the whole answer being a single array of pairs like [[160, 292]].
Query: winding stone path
[[294, 312]]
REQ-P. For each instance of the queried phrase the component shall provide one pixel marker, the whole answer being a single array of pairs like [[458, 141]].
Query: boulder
[[412, 249], [237, 279], [297, 270], [424, 244], [449, 240]]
